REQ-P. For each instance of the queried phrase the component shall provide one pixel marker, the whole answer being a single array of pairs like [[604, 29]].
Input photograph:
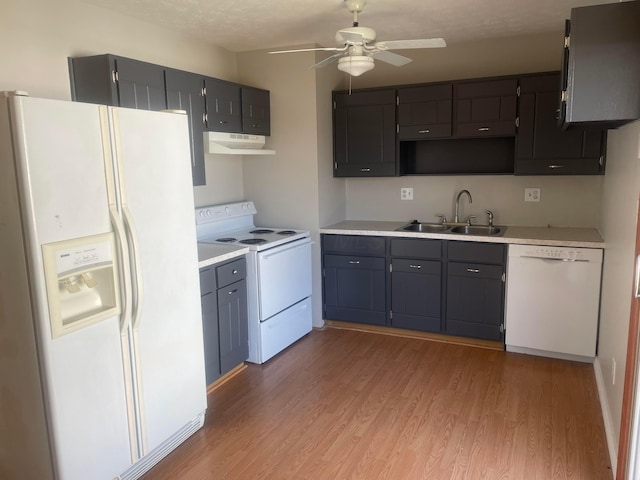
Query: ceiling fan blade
[[318, 49], [327, 61], [392, 58], [406, 44]]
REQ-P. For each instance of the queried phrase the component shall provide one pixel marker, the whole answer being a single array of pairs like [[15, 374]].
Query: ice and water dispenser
[[82, 282]]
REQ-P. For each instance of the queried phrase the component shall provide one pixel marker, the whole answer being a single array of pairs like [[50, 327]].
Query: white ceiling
[[268, 24]]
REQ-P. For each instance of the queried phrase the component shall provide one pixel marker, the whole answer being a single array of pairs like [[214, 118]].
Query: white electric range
[[278, 274]]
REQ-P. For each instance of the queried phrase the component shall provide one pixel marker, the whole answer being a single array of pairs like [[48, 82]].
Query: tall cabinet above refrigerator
[[102, 370]]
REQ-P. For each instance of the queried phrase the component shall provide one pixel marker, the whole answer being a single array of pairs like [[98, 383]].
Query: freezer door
[[60, 163], [154, 176]]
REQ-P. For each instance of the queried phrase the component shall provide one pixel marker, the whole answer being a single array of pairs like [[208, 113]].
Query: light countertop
[[554, 236], [209, 253]]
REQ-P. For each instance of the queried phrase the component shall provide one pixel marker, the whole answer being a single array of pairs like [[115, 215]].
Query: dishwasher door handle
[[556, 259]]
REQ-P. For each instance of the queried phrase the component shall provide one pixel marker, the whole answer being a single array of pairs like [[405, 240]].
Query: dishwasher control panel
[[556, 253]]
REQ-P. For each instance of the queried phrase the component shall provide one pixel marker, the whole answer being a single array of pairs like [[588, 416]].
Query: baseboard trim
[[399, 332], [612, 441], [226, 377]]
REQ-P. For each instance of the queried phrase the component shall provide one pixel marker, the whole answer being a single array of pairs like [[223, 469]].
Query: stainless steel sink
[[488, 230], [425, 228]]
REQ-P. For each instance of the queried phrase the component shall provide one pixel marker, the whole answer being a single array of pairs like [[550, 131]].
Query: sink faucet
[[456, 218]]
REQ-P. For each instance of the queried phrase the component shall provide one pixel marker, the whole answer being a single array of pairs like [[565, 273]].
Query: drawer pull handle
[[365, 169], [234, 271], [222, 122], [473, 270], [556, 166], [426, 130], [484, 129], [415, 266], [354, 262], [231, 292]]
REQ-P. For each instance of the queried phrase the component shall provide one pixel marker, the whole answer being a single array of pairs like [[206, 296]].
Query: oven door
[[284, 276]]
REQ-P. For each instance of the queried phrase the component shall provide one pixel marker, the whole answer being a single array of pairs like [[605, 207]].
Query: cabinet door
[[415, 294], [425, 112], [233, 325], [209, 301], [486, 108], [184, 92], [542, 148], [354, 289], [256, 111], [365, 134], [475, 300], [602, 65], [140, 84], [223, 110]]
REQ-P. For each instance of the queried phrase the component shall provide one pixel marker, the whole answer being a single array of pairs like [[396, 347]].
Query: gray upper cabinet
[[602, 65], [486, 108], [364, 133], [223, 107], [425, 112], [185, 92], [117, 81], [542, 147], [256, 111]]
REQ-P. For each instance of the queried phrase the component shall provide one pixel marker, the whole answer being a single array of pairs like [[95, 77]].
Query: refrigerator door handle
[[123, 251], [135, 266]]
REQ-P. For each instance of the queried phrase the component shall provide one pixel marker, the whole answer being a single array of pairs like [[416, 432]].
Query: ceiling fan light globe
[[355, 65]]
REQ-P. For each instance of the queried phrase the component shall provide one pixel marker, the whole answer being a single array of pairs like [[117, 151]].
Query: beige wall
[[618, 225]]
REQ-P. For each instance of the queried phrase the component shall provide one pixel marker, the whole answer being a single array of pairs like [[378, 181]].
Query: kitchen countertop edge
[[552, 236], [210, 254]]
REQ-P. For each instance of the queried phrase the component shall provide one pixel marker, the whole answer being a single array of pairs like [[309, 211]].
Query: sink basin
[[425, 228], [477, 230]]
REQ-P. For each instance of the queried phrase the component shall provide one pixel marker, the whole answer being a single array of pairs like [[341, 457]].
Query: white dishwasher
[[552, 301]]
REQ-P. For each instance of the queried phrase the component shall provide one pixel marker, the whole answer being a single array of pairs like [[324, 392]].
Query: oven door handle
[[295, 244]]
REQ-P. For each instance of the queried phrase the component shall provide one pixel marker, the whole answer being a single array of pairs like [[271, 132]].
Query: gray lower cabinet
[[354, 279], [225, 325], [475, 290], [416, 284]]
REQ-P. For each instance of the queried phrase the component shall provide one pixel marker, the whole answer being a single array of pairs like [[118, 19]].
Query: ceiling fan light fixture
[[355, 65]]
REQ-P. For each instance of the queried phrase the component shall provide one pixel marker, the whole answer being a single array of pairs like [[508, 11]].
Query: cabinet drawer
[[354, 244], [231, 272], [416, 266], [423, 132], [414, 248], [477, 252], [207, 280], [475, 270], [352, 261]]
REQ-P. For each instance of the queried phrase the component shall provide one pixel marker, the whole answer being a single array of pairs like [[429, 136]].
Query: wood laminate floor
[[341, 404]]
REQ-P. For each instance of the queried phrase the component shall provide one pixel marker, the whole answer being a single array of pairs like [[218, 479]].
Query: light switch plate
[[406, 193], [532, 194]]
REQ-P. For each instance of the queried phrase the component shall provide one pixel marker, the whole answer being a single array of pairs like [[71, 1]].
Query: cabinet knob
[[231, 292], [222, 122], [234, 271]]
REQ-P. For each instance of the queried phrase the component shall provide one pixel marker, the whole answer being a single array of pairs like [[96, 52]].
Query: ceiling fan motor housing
[[355, 36]]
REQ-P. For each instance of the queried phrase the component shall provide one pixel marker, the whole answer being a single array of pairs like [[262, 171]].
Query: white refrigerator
[[101, 352]]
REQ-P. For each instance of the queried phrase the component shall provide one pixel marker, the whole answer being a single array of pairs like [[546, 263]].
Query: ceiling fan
[[359, 48]]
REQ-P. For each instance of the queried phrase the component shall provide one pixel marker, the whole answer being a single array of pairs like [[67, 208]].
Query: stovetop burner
[[261, 231], [286, 232], [226, 239], [253, 241]]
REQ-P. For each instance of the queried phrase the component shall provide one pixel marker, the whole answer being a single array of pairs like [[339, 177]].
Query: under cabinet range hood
[[235, 144]]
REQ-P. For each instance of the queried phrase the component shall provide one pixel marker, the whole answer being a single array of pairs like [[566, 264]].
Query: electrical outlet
[[532, 194], [406, 193], [613, 371]]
